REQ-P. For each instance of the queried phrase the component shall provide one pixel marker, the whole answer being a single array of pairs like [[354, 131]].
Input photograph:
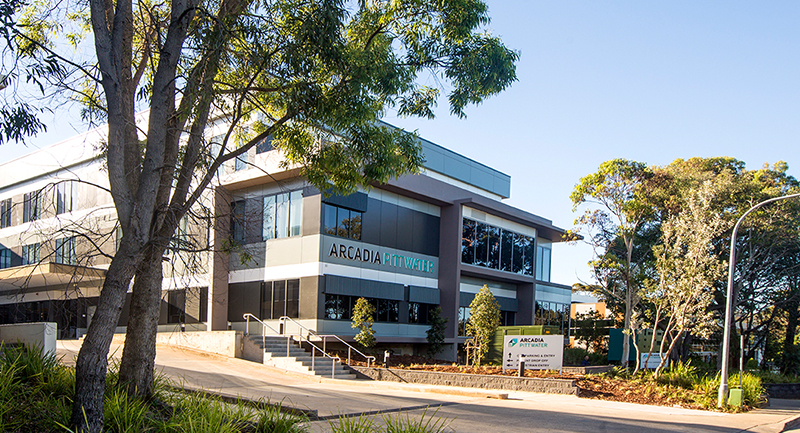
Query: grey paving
[[467, 410]]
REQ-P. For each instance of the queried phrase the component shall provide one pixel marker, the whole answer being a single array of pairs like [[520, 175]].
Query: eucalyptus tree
[[616, 213], [316, 75]]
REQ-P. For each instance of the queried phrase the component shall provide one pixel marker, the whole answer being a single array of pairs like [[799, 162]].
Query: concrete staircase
[[273, 351]]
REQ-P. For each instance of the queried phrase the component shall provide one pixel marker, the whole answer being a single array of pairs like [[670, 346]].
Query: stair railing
[[324, 337], [264, 328], [314, 348]]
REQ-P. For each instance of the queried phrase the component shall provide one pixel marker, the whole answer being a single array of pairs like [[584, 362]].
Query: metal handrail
[[350, 348], [247, 317]]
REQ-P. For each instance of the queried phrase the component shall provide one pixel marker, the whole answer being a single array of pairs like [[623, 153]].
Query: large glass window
[[64, 197], [468, 242], [482, 245], [5, 258], [65, 251], [492, 247], [31, 254], [238, 220], [295, 213], [241, 162], [266, 301], [264, 145], [280, 298], [5, 213], [340, 307], [419, 313], [32, 206], [338, 221], [283, 215], [463, 318], [543, 263]]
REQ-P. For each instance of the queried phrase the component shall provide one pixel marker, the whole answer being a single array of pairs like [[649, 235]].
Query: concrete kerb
[[791, 423]]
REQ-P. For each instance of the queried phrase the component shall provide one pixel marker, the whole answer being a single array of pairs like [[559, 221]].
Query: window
[[264, 145], [5, 213], [31, 254], [5, 258], [463, 318], [338, 221], [543, 263], [340, 307], [468, 242], [419, 313], [280, 298], [64, 197], [552, 314], [507, 318], [180, 240], [237, 221], [65, 251], [492, 247], [32, 206], [283, 215], [176, 306]]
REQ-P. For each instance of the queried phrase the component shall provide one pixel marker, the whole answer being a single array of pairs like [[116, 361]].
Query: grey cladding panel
[[405, 229], [388, 225], [371, 223], [506, 304], [356, 201], [423, 295], [336, 285]]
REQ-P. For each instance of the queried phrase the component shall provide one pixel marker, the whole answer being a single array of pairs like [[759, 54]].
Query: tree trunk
[[790, 356], [138, 356], [92, 363]]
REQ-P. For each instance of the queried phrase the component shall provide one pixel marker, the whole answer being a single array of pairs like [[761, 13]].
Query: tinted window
[[481, 245], [493, 236], [329, 219], [468, 242], [507, 251]]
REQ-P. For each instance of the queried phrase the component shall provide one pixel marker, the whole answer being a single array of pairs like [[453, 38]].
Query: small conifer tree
[[435, 334], [483, 321], [363, 318]]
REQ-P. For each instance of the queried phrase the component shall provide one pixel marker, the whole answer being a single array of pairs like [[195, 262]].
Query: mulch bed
[[596, 387]]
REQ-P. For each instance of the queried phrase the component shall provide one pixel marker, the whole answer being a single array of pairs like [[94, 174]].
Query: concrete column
[[218, 265]]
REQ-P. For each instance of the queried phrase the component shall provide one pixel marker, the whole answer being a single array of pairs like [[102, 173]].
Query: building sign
[[539, 352], [374, 257], [652, 363]]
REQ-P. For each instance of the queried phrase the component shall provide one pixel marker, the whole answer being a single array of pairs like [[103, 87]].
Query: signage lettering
[[368, 255]]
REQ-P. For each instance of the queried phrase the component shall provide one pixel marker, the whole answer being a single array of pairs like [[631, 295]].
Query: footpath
[[466, 409]]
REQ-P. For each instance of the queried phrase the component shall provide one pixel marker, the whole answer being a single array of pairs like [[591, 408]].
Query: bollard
[[521, 372], [386, 358]]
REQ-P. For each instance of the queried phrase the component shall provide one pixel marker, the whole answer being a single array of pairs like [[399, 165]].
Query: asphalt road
[[466, 410]]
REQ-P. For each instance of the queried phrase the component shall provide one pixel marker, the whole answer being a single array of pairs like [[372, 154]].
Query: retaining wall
[[783, 390], [42, 334], [507, 383]]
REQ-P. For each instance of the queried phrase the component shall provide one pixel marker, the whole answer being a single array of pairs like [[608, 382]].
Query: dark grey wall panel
[[337, 285], [405, 228], [355, 201], [371, 223], [243, 298], [424, 295], [506, 304], [388, 225]]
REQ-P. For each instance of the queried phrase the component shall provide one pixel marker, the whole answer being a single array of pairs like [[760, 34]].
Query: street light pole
[[723, 378]]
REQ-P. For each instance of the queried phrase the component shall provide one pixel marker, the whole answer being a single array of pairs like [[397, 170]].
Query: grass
[[36, 394], [396, 423]]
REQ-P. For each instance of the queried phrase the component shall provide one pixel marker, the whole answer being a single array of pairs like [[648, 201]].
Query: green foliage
[[397, 423], [575, 356], [591, 329], [679, 374], [363, 318], [36, 395], [483, 320], [436, 333]]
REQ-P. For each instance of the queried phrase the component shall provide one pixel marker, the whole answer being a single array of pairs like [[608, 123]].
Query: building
[[277, 246]]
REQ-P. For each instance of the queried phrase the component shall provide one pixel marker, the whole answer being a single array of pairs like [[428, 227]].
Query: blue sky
[[649, 81]]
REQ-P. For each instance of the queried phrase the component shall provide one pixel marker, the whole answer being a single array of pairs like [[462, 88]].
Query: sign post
[[538, 352]]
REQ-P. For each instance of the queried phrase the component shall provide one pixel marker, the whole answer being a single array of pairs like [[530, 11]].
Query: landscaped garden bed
[[682, 386]]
